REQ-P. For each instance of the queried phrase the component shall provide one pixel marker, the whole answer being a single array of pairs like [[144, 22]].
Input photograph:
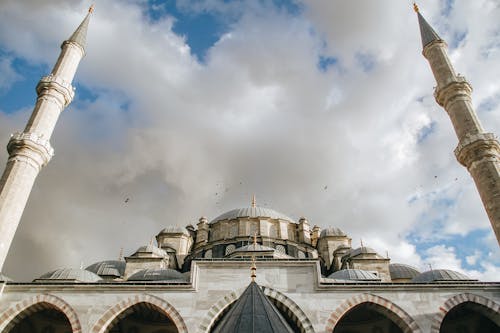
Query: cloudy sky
[[322, 108]]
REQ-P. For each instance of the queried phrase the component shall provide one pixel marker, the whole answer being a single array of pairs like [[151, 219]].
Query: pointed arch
[[29, 306], [115, 311], [486, 303], [283, 302], [386, 307]]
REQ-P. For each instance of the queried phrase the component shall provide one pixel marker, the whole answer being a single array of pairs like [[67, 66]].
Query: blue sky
[[189, 107]]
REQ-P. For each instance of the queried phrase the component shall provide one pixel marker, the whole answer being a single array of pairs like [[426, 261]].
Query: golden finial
[[253, 269], [91, 9], [254, 201], [415, 7]]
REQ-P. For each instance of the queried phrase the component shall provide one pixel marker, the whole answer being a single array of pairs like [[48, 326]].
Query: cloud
[[259, 116]]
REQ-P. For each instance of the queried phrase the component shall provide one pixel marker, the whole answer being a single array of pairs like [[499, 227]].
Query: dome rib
[[252, 212]]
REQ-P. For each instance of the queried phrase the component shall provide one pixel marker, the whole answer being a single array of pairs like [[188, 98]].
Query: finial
[[91, 9], [361, 242], [120, 256], [254, 201], [415, 7], [253, 269], [81, 264], [254, 239]]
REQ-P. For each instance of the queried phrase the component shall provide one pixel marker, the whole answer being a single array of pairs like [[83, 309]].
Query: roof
[[332, 231], [150, 249], [402, 271], [253, 312], [426, 31], [80, 35], [363, 250], [70, 274], [252, 212], [108, 268], [175, 229], [353, 275], [165, 274], [440, 275]]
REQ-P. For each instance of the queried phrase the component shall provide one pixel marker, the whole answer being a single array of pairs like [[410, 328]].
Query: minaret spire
[[478, 151], [30, 150]]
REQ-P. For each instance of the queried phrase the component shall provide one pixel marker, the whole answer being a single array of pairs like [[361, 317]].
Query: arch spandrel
[[118, 309], [32, 305], [386, 307]]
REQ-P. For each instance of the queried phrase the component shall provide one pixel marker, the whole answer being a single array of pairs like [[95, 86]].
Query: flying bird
[[127, 200]]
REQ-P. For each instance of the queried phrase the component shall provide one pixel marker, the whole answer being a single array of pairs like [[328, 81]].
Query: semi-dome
[[252, 212], [353, 275], [332, 231], [174, 229], [441, 275], [69, 274], [115, 268], [402, 271], [164, 274]]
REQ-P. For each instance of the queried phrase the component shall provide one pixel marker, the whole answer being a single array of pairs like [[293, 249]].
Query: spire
[[426, 32], [80, 35]]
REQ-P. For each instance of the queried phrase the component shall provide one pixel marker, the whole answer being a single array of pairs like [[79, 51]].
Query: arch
[[34, 304], [115, 311], [284, 303], [456, 300], [389, 309]]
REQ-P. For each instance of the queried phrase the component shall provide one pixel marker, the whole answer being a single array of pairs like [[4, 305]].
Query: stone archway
[[284, 303], [115, 311], [35, 304], [386, 307], [459, 299]]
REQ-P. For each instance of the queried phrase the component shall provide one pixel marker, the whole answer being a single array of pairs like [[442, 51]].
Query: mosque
[[251, 269]]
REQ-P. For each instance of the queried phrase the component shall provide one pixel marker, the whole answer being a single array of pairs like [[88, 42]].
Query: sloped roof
[[253, 312]]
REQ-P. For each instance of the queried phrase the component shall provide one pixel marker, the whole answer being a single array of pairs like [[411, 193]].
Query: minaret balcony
[[53, 82]]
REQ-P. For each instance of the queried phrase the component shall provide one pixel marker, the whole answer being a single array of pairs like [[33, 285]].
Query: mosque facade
[[251, 269]]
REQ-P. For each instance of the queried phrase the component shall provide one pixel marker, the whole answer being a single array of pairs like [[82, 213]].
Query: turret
[[478, 151], [30, 150], [202, 232]]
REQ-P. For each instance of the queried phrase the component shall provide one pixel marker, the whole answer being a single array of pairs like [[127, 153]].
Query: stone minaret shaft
[[478, 151], [30, 150]]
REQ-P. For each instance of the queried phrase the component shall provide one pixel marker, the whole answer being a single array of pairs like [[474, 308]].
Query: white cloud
[[258, 117]]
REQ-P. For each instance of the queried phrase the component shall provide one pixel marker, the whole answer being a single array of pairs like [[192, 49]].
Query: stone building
[[251, 269]]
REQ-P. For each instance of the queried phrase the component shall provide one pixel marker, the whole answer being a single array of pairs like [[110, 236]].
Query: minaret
[[478, 151], [30, 150]]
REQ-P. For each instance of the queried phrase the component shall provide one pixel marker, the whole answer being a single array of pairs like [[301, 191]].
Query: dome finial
[[254, 201], [415, 7], [91, 9], [120, 256]]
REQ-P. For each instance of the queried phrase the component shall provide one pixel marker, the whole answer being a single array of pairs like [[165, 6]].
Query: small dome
[[69, 274], [174, 229], [402, 271], [363, 250], [332, 231], [252, 212], [165, 274], [114, 268], [353, 275], [440, 275], [150, 249]]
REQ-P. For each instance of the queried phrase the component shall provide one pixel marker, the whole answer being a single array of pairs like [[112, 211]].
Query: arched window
[[469, 317], [281, 249], [367, 317], [142, 317], [40, 318], [230, 249]]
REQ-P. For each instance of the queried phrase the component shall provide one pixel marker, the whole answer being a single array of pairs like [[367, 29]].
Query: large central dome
[[252, 212]]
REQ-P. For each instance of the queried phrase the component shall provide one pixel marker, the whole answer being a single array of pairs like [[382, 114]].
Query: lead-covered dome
[[164, 274], [69, 274], [403, 272], [252, 212], [441, 275], [332, 231], [175, 229], [112, 268], [353, 275]]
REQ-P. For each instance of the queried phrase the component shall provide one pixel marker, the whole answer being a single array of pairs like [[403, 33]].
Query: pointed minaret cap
[[426, 32], [80, 35]]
